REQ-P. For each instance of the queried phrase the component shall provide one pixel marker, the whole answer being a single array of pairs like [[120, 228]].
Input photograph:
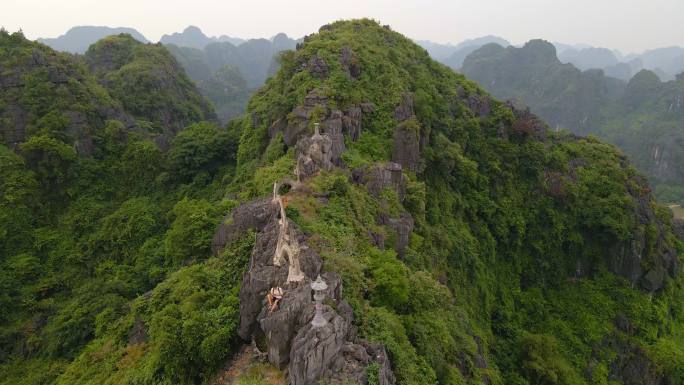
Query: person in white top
[[274, 296]]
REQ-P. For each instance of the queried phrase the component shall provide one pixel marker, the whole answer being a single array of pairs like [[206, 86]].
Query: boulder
[[253, 215]]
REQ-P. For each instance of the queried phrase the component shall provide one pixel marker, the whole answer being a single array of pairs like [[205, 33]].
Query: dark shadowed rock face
[[317, 67], [253, 215], [402, 227], [678, 226], [352, 122], [382, 176], [405, 109], [632, 365], [627, 257], [332, 126], [479, 104], [406, 147], [350, 63], [527, 124]]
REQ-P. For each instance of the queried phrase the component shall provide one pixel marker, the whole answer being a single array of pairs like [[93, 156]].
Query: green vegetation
[[107, 276], [149, 83], [642, 117], [227, 74]]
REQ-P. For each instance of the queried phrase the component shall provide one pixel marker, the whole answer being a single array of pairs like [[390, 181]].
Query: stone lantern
[[319, 286]]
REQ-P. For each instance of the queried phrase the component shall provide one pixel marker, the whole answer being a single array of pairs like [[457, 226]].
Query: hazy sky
[[628, 25]]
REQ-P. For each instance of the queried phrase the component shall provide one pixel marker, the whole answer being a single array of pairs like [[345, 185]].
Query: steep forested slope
[[78, 39], [647, 122], [238, 70], [472, 243], [642, 117], [82, 233], [533, 76], [149, 83]]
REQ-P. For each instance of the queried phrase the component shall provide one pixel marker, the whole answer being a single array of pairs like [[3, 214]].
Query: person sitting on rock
[[274, 296]]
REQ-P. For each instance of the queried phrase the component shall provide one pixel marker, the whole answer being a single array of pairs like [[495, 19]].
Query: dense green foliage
[[106, 274], [504, 239], [93, 244], [149, 83], [228, 74], [642, 117]]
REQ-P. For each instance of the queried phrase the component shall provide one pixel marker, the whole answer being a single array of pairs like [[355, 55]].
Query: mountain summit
[[460, 241]]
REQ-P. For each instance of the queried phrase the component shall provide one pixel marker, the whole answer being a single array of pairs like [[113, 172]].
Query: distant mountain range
[[193, 37], [78, 39], [642, 116], [665, 62], [228, 74]]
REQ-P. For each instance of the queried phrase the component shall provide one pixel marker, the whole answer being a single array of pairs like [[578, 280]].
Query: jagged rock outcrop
[[298, 122], [314, 154], [325, 353], [281, 258], [480, 105], [350, 64], [402, 227], [351, 122], [404, 110], [333, 122], [377, 178], [627, 256], [253, 215], [406, 146], [318, 67], [528, 124], [332, 126], [382, 176]]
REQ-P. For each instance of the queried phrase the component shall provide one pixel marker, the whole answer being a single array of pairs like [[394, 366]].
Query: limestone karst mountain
[[193, 37], [228, 74], [78, 39], [641, 117], [149, 83], [455, 60], [460, 239]]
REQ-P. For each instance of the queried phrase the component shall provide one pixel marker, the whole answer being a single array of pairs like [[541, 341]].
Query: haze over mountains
[[666, 62], [577, 87], [78, 39], [462, 241], [642, 116]]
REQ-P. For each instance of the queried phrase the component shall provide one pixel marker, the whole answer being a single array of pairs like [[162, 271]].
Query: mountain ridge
[[472, 244]]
